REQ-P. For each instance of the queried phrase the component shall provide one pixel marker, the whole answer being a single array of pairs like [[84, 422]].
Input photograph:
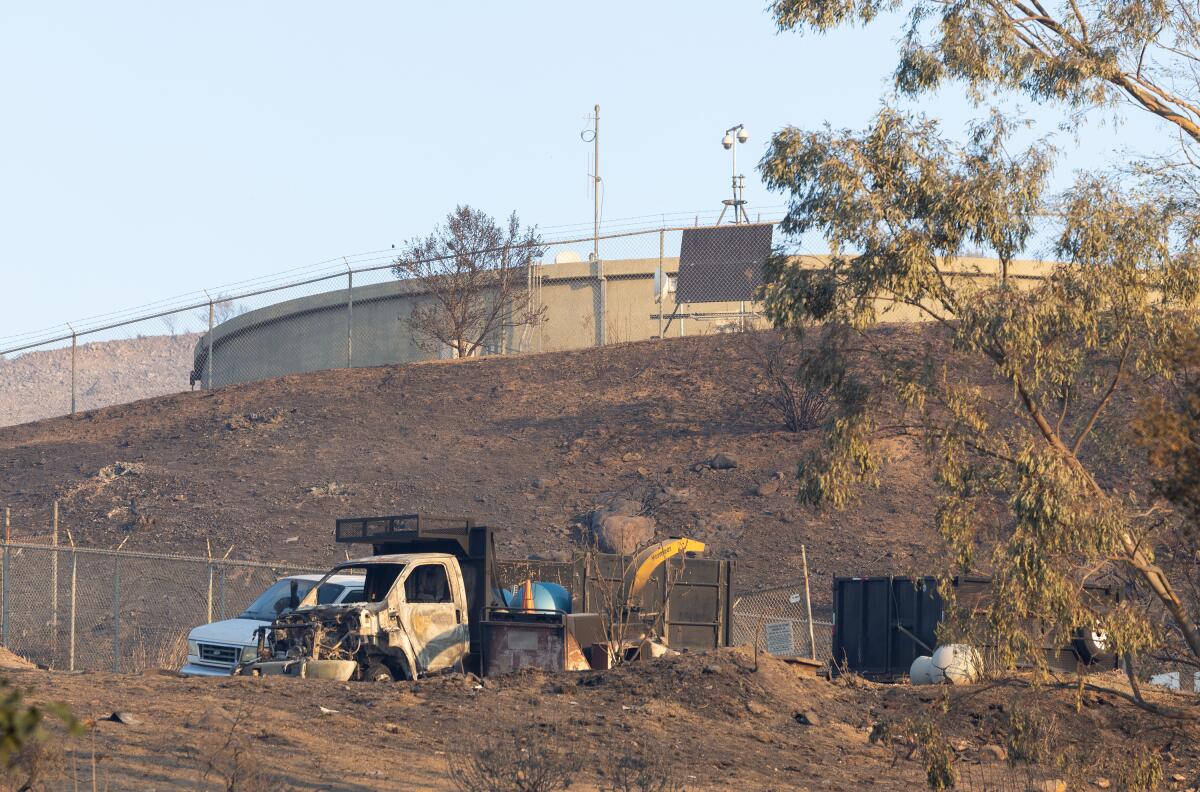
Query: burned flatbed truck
[[436, 598]]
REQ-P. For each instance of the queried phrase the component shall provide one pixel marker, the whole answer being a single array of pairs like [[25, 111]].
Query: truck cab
[[411, 621]]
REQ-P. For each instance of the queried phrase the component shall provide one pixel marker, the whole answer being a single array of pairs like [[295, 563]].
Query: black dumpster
[[882, 624]]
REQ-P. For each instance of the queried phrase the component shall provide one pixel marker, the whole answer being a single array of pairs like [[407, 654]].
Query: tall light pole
[[733, 136], [601, 281], [596, 185]]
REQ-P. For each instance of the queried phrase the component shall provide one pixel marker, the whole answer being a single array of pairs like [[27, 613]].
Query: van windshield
[[275, 600]]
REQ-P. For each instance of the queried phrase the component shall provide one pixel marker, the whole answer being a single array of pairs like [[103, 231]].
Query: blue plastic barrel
[[546, 596]]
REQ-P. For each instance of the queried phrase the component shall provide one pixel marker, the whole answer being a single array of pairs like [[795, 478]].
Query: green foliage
[[919, 737], [937, 755], [1030, 737], [23, 753], [18, 724], [1078, 54], [1014, 375], [1143, 772]]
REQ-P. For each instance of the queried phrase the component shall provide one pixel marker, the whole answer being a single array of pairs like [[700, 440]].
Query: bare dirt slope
[[720, 720], [530, 444], [37, 385]]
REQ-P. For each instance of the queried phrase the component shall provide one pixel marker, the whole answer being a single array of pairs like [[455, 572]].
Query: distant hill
[[37, 385]]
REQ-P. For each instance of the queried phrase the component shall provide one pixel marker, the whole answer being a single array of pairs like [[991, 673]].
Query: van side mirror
[[293, 595]]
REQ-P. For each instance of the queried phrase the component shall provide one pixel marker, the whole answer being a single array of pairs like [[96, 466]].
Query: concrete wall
[[310, 333]]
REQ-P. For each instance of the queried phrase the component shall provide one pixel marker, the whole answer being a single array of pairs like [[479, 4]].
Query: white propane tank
[[955, 664], [921, 670]]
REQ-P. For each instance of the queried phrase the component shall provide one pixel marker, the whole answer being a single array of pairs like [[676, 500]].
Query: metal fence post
[[349, 317], [223, 587], [208, 555], [4, 583], [662, 273], [812, 638], [4, 594], [209, 361], [116, 614], [71, 649], [54, 586], [73, 346], [602, 285]]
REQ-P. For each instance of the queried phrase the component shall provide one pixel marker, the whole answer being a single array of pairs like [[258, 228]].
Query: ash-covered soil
[[529, 444], [719, 720]]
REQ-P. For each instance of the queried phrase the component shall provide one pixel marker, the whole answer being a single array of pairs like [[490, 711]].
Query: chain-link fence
[[364, 310], [778, 621], [80, 608]]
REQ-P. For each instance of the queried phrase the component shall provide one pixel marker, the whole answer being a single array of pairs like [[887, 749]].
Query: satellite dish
[[567, 257]]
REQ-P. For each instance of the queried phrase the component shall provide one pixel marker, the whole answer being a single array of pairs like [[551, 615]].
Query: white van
[[215, 649]]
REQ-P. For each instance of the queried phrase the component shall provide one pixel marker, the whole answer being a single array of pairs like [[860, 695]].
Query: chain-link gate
[[776, 620]]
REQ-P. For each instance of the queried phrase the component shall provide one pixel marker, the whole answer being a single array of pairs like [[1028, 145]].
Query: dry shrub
[[515, 763], [1038, 756], [633, 773], [170, 652], [920, 739], [787, 387], [34, 766], [1031, 735], [233, 766]]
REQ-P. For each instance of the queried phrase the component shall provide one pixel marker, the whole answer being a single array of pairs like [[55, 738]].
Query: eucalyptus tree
[[1143, 52], [1014, 377]]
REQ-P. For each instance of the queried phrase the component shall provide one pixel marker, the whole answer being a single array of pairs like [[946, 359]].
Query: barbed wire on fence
[[354, 311]]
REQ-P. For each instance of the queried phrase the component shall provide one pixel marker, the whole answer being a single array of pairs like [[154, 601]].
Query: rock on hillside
[[37, 385]]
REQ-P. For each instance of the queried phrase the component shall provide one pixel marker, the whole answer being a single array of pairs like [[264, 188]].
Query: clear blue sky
[[152, 149]]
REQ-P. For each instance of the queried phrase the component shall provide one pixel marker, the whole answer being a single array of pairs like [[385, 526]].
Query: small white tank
[[955, 664], [921, 671]]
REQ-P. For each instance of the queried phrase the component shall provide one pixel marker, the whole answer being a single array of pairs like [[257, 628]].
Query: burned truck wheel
[[1092, 646], [376, 671]]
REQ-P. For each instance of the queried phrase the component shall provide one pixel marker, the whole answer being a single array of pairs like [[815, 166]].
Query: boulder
[[722, 461], [994, 753], [616, 505], [1049, 785], [768, 488], [621, 533]]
